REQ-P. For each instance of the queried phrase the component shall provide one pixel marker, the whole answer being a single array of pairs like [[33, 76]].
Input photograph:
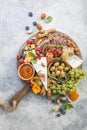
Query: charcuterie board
[[48, 42], [49, 63]]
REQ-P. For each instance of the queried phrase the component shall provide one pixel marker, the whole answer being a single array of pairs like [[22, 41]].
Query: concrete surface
[[34, 112]]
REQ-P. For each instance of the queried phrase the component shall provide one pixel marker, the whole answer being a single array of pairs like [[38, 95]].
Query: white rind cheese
[[43, 69], [74, 61]]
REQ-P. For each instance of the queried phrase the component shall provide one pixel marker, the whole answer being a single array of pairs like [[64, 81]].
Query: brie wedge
[[74, 61], [43, 69]]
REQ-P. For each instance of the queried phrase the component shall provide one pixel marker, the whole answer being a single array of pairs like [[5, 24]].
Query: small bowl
[[49, 66], [26, 64]]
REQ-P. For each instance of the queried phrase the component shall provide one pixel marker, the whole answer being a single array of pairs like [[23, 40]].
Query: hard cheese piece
[[38, 67], [74, 61]]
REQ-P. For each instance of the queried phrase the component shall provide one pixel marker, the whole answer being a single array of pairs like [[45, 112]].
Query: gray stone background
[[34, 112]]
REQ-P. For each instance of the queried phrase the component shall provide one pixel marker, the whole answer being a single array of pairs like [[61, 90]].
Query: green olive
[[52, 68], [60, 68], [66, 68], [56, 69], [63, 65], [56, 64], [62, 74], [57, 73], [53, 74]]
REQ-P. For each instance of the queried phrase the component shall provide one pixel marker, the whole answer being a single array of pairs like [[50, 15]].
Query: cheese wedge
[[39, 67], [74, 61]]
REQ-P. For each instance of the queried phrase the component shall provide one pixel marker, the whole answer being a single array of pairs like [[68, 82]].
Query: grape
[[75, 84], [63, 92], [54, 91], [68, 89], [71, 90], [52, 86], [72, 79], [72, 76], [69, 86], [72, 73], [59, 91], [65, 88]]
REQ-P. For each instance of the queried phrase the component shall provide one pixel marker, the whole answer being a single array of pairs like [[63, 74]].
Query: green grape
[[69, 82], [80, 72], [77, 75], [84, 74], [70, 86], [57, 85], [54, 91], [68, 89], [72, 76], [59, 91], [76, 70], [81, 77], [52, 86], [72, 79], [75, 84], [72, 72], [65, 88], [57, 88], [71, 90], [63, 92], [62, 87]]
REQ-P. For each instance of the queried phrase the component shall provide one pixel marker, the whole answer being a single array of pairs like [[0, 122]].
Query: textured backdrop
[[34, 112]]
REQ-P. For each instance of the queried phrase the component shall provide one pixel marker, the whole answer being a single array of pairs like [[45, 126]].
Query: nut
[[51, 30], [43, 91], [45, 33], [43, 75], [53, 81], [26, 48], [57, 101], [33, 38], [77, 53], [43, 15], [43, 64], [30, 31], [39, 26], [42, 31], [32, 46], [25, 52], [69, 100], [39, 72], [38, 42], [49, 92], [76, 48]]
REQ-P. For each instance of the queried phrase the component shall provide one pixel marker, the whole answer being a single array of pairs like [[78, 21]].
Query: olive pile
[[58, 69]]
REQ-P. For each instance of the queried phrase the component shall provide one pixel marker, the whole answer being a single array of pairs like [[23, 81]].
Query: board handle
[[14, 101], [19, 95]]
